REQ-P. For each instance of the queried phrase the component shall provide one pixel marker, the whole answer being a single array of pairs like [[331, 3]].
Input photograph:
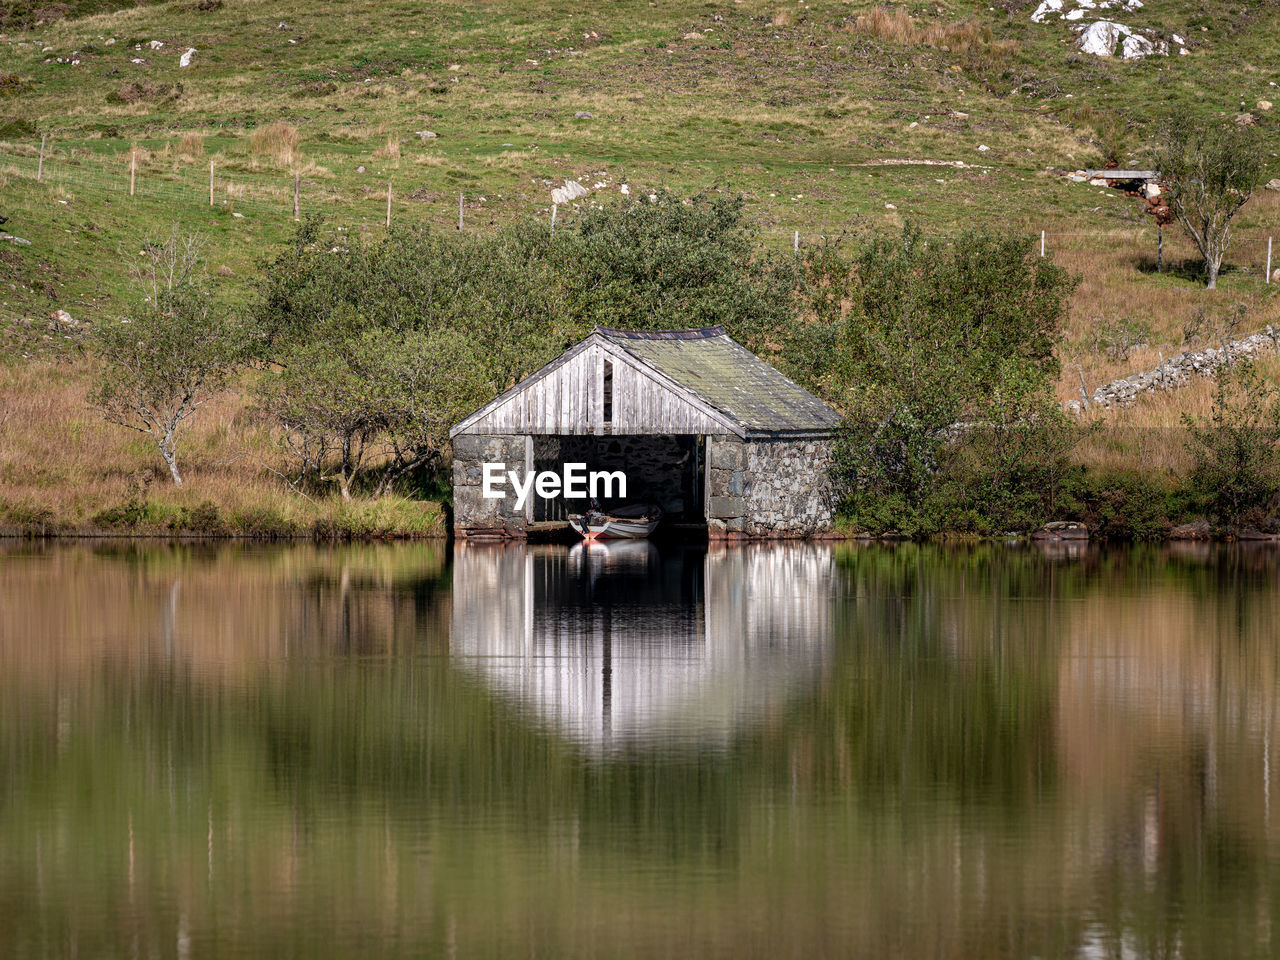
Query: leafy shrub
[[1117, 337], [28, 517], [1237, 460], [129, 515], [921, 342], [1127, 504], [16, 128], [261, 522], [202, 518]]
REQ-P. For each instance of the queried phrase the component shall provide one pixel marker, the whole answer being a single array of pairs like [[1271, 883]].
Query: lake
[[799, 750]]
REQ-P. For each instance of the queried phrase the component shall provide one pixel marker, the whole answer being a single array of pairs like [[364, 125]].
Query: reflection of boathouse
[[616, 644], [699, 424]]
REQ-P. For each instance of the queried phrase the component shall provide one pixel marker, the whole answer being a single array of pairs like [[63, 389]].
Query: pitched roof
[[723, 388], [728, 377]]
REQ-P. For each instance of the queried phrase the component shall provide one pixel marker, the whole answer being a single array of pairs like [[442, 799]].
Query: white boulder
[[571, 191], [1046, 8], [1101, 38], [1136, 47], [185, 59]]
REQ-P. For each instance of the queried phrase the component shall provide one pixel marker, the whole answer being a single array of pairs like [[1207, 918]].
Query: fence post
[[133, 169], [795, 242], [297, 177], [1159, 248], [554, 208], [1084, 392], [211, 183], [1041, 244], [1268, 259], [388, 204], [1160, 354], [459, 211], [40, 164]]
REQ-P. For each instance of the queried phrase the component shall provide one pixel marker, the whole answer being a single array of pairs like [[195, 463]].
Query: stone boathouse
[[699, 425]]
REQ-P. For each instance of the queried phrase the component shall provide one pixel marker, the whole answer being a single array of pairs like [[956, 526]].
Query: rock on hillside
[[1102, 37]]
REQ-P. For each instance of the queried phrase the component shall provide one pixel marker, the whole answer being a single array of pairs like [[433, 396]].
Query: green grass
[[788, 115]]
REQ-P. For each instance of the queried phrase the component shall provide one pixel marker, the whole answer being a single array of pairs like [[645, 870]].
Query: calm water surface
[[808, 751]]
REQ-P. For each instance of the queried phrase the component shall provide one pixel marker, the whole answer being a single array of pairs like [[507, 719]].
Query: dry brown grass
[[1118, 280], [58, 454], [781, 18], [277, 140], [1150, 435], [390, 150], [61, 464], [191, 146], [964, 39]]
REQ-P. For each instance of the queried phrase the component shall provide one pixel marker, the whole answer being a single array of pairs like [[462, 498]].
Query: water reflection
[[623, 645], [992, 751]]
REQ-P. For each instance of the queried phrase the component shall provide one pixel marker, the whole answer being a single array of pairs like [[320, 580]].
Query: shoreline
[[446, 535]]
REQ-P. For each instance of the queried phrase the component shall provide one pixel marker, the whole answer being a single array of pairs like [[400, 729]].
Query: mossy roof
[[725, 375]]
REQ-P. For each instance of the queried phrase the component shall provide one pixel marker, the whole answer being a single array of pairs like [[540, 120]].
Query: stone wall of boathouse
[[473, 515], [768, 489]]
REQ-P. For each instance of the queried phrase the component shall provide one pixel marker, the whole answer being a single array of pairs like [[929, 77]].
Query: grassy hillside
[[827, 119]]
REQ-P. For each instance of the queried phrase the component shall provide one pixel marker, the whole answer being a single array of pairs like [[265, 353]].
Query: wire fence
[[136, 176], [236, 187], [131, 175]]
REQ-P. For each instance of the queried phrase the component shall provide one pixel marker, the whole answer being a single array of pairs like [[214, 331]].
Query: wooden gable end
[[567, 397]]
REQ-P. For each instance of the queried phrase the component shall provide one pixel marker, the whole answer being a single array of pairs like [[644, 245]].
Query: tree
[[911, 337], [635, 263], [1237, 450], [1208, 171], [661, 261], [169, 262], [372, 404], [503, 290], [1006, 468], [162, 363]]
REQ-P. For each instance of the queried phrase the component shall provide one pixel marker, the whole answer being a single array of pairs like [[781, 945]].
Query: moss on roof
[[728, 377]]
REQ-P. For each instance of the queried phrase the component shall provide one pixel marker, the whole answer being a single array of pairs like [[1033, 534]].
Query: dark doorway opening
[[666, 470]]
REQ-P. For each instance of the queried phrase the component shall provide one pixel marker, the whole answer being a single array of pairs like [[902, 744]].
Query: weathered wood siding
[[570, 400]]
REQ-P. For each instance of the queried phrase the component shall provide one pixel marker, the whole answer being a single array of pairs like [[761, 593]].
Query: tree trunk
[[1213, 264], [347, 471], [1215, 251], [166, 451]]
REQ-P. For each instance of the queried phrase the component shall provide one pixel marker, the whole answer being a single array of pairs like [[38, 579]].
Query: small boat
[[634, 522]]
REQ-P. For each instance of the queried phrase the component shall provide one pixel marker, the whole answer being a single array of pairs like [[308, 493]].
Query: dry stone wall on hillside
[[1178, 371]]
